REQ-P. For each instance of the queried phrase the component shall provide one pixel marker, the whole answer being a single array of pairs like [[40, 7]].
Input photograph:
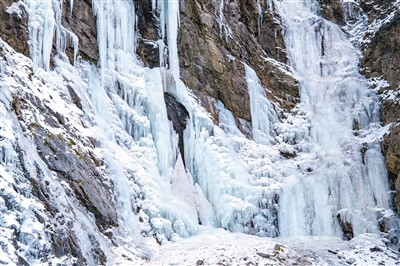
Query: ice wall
[[314, 169], [343, 184]]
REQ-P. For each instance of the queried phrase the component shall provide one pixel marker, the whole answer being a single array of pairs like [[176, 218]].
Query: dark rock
[[271, 37], [82, 22], [376, 249], [22, 261], [211, 57], [178, 115], [148, 23], [347, 228], [391, 149], [14, 28], [148, 26], [333, 11], [74, 97], [263, 255], [200, 262], [382, 54], [288, 155], [377, 8]]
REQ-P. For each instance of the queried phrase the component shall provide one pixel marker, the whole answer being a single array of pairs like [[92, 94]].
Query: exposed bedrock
[[213, 43], [14, 27]]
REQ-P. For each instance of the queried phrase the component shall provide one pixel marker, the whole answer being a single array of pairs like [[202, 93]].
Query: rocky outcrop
[[70, 157], [82, 22], [14, 27], [391, 149], [64, 154], [56, 168], [214, 44], [382, 54], [347, 228], [178, 115], [333, 11]]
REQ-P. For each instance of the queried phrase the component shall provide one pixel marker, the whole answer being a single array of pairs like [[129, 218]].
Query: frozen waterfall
[[317, 170], [346, 182]]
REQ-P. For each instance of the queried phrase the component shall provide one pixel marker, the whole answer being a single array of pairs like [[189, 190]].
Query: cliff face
[[14, 27], [63, 152], [82, 22], [215, 40]]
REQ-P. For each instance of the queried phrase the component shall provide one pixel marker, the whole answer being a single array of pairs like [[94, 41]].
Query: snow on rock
[[113, 184]]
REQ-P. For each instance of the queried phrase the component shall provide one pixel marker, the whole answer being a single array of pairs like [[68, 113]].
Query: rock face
[[67, 158], [149, 30], [82, 22], [333, 11], [14, 27], [72, 160], [214, 42], [381, 54]]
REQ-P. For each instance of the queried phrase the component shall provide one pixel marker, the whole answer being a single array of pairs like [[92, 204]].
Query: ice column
[[169, 16], [41, 30], [263, 114]]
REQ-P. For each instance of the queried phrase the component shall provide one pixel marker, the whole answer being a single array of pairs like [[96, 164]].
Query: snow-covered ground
[[218, 247]]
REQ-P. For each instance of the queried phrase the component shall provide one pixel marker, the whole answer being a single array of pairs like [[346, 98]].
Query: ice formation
[[339, 105], [318, 167]]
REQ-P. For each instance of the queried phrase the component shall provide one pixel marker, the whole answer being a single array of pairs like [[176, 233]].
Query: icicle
[[270, 5], [172, 28], [71, 5], [263, 114], [161, 49], [226, 120], [41, 27], [75, 43], [260, 17]]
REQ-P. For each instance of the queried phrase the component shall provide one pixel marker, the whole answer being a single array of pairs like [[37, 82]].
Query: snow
[[291, 179], [218, 247], [15, 8]]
